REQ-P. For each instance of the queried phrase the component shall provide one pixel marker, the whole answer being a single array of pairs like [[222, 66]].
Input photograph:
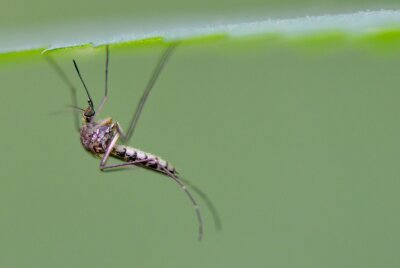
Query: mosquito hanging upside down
[[101, 137]]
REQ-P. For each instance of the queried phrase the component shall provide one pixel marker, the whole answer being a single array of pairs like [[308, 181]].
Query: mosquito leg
[[106, 155], [150, 84], [103, 167], [207, 201], [192, 200], [120, 131], [132, 163], [103, 101], [68, 82]]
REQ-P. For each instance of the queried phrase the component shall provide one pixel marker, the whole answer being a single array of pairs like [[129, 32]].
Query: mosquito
[[104, 138]]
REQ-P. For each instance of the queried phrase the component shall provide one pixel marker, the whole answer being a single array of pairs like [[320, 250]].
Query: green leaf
[[380, 28]]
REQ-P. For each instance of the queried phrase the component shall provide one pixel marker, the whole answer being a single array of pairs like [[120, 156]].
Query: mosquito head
[[88, 114]]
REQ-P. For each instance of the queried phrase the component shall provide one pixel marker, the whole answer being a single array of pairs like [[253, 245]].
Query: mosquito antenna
[[68, 82], [76, 108], [150, 84], [71, 109], [90, 101]]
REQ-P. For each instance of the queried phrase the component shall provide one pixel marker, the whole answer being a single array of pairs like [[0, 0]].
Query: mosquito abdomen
[[155, 163]]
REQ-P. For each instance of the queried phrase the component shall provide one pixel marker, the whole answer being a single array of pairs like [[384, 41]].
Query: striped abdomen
[[130, 154]]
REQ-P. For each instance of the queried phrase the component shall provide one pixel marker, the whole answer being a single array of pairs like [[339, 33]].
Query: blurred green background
[[297, 146], [26, 13]]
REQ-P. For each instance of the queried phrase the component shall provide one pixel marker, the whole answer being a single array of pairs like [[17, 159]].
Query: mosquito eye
[[89, 113]]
